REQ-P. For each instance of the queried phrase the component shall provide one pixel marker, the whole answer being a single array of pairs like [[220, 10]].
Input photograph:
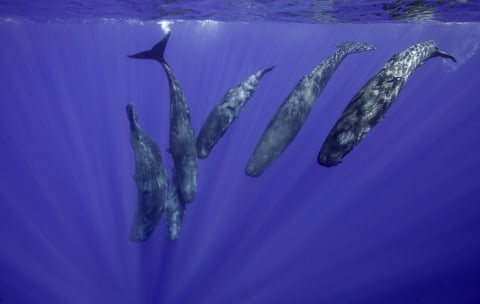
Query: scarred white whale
[[369, 105], [182, 135], [290, 117], [222, 116], [151, 179]]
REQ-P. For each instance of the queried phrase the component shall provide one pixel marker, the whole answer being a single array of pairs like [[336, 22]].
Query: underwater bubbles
[[165, 25]]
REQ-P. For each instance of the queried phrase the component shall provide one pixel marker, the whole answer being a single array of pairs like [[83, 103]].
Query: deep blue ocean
[[398, 221]]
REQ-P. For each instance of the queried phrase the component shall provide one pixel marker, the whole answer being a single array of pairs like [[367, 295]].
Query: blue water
[[396, 222]]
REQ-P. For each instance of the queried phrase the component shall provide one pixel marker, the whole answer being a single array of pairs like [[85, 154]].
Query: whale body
[[291, 115], [182, 135], [174, 211], [222, 116], [150, 178], [369, 105]]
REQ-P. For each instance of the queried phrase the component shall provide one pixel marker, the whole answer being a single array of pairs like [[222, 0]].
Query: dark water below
[[396, 222]]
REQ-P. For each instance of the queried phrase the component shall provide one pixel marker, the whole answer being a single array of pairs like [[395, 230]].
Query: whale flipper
[[225, 112], [369, 105], [292, 113], [150, 178]]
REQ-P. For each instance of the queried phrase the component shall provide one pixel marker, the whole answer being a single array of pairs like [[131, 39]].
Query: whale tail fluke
[[445, 55], [156, 53], [355, 47]]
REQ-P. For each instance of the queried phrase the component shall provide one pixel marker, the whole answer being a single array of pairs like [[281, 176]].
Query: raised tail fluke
[[355, 47], [156, 53]]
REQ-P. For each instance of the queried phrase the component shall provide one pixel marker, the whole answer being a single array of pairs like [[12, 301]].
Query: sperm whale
[[182, 135], [369, 105], [151, 179], [291, 115], [227, 109]]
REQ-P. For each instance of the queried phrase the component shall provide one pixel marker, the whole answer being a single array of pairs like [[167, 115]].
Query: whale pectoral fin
[[227, 116], [231, 109]]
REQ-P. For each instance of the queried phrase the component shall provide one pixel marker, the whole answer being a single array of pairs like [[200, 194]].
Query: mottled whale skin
[[151, 179], [222, 116], [290, 117], [369, 105], [174, 211], [182, 135]]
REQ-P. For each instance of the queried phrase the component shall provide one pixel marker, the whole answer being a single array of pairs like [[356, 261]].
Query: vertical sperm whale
[[227, 109], [151, 179], [182, 135], [369, 105], [290, 117]]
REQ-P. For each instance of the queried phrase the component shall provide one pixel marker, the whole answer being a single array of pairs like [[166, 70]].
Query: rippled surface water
[[313, 11]]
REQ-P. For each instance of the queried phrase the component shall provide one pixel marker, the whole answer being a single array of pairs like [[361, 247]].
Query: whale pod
[[182, 135], [292, 113]]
